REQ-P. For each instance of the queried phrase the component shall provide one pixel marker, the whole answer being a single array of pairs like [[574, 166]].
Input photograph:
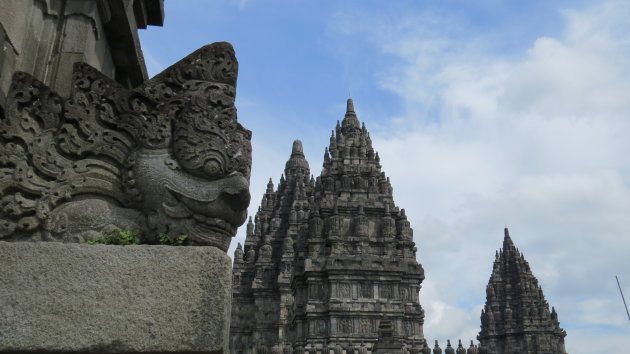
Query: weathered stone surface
[[167, 157], [386, 343], [58, 297], [45, 39]]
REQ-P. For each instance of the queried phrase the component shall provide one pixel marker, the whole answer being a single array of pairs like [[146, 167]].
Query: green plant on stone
[[121, 237], [173, 241]]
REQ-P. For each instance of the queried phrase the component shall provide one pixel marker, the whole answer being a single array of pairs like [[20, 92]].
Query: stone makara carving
[[167, 157]]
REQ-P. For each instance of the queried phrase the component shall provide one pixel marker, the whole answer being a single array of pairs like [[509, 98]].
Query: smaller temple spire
[[297, 164], [270, 186], [515, 309]]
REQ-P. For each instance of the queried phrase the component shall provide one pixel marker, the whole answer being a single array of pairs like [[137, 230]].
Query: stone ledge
[[60, 298]]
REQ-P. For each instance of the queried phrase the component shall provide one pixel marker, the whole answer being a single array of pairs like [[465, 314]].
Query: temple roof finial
[[350, 121], [297, 147], [270, 186], [350, 106], [297, 161], [507, 241]]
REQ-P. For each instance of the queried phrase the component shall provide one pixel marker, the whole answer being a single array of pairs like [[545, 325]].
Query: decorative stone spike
[[472, 349], [437, 349], [460, 348], [449, 348], [270, 186]]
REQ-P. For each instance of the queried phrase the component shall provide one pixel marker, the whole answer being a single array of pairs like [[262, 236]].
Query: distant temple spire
[[350, 121], [297, 164], [507, 241], [349, 106], [516, 316]]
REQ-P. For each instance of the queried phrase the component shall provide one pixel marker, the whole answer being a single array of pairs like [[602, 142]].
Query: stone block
[[60, 297]]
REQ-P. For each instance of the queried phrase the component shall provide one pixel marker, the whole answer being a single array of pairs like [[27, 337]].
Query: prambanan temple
[[329, 264], [105, 173]]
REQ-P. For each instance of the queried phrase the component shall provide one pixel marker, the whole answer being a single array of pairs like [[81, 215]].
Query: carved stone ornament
[[167, 157]]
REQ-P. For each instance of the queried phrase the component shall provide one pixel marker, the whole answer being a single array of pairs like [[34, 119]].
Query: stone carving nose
[[237, 199]]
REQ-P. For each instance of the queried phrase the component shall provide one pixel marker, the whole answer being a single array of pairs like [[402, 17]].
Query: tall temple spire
[[354, 222], [516, 316], [311, 234]]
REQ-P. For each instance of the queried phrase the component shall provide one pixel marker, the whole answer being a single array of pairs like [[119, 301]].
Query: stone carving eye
[[206, 142]]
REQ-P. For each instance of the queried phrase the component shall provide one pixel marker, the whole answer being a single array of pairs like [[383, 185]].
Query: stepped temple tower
[[516, 317], [326, 260]]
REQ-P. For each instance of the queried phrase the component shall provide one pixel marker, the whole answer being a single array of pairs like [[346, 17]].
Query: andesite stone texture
[[516, 318], [386, 343], [327, 259], [89, 145], [167, 157], [59, 297], [46, 37]]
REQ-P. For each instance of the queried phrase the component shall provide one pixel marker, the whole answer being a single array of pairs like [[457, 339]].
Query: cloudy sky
[[485, 113]]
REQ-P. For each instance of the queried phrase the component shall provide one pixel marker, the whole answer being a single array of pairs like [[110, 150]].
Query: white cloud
[[536, 141]]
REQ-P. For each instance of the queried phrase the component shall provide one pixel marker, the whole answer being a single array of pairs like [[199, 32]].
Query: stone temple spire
[[356, 261], [350, 121], [297, 164], [516, 317], [329, 261], [261, 277]]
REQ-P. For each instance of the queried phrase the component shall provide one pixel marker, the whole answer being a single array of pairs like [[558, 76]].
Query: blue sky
[[486, 114]]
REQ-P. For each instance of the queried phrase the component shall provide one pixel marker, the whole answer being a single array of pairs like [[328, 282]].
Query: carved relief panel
[[404, 294], [361, 226], [344, 325], [366, 290], [409, 328], [345, 290], [336, 226], [366, 326], [386, 291], [388, 227]]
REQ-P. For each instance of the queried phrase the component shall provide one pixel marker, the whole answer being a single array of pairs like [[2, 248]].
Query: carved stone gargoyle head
[[165, 158]]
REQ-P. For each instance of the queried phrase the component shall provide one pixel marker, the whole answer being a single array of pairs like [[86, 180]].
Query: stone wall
[[46, 37], [60, 297]]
